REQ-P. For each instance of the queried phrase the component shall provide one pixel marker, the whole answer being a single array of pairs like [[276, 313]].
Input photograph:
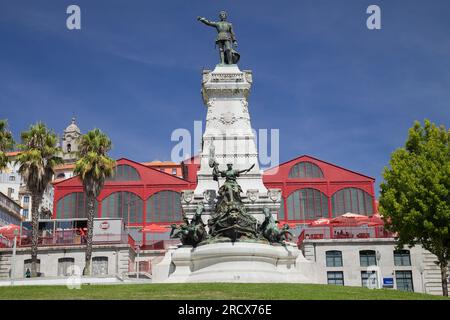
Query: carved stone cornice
[[226, 84]]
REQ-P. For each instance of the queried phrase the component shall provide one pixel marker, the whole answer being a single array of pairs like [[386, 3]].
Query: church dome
[[73, 127]]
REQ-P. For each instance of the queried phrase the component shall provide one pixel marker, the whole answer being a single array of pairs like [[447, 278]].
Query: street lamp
[[421, 270], [378, 256], [13, 259], [138, 260]]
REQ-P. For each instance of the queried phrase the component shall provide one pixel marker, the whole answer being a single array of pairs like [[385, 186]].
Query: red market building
[[146, 197], [314, 189]]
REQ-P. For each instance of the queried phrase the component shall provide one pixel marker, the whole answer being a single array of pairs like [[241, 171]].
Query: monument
[[230, 232]]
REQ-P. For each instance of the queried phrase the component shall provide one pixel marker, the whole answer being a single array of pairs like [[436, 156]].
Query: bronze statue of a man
[[225, 40]]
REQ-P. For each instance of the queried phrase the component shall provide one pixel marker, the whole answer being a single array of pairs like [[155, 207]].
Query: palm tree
[[6, 144], [93, 167], [37, 160]]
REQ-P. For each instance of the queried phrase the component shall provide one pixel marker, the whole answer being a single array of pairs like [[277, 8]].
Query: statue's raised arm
[[247, 170], [226, 39], [207, 22]]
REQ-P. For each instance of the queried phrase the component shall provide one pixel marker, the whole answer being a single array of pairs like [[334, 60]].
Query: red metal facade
[[151, 181], [332, 180]]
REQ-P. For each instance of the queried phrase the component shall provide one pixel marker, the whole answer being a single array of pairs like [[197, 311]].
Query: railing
[[9, 205], [131, 241], [69, 237], [159, 244], [342, 232], [144, 266]]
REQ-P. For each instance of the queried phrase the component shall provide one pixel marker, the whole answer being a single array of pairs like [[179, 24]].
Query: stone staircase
[[431, 274], [5, 265]]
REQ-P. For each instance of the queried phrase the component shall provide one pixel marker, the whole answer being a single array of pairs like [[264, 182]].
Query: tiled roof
[[65, 166], [157, 163], [13, 153]]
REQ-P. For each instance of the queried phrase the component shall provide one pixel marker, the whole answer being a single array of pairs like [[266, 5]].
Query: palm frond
[[94, 166]]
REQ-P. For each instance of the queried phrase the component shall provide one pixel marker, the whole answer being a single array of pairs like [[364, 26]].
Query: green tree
[[6, 144], [93, 167], [415, 194], [37, 160]]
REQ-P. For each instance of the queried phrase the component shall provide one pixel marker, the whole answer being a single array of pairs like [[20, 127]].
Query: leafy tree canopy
[[415, 194], [38, 158], [94, 165], [6, 143]]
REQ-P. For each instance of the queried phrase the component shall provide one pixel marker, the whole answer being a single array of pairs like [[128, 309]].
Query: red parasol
[[350, 219], [8, 231], [155, 228], [320, 222]]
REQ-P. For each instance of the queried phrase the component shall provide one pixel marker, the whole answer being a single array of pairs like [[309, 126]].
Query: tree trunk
[[443, 264], [35, 203], [90, 233]]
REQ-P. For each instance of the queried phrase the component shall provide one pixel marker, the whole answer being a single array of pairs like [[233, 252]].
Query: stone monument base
[[234, 262]]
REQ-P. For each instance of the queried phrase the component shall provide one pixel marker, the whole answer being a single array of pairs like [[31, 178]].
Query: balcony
[[72, 238], [72, 232], [344, 232]]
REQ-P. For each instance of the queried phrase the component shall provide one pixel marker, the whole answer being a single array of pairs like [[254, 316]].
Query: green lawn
[[219, 291]]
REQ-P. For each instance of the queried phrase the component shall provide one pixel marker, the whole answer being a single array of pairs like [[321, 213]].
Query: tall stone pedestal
[[229, 138]]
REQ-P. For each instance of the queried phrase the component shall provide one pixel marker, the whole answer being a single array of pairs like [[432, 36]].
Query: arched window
[[124, 172], [352, 200], [305, 170], [65, 266], [99, 266], [281, 214], [27, 266], [334, 258], [307, 204], [164, 206], [125, 205], [60, 176], [73, 205]]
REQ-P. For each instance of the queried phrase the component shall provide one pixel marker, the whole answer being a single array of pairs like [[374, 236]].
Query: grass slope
[[219, 291]]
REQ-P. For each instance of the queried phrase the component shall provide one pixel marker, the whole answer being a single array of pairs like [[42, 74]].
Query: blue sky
[[335, 89]]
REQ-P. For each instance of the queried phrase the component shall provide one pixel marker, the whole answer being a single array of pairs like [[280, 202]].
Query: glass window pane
[[305, 169], [352, 200], [369, 279], [164, 206], [404, 281], [124, 172], [73, 205], [335, 277], [367, 258], [402, 258], [334, 258], [281, 211], [307, 204]]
